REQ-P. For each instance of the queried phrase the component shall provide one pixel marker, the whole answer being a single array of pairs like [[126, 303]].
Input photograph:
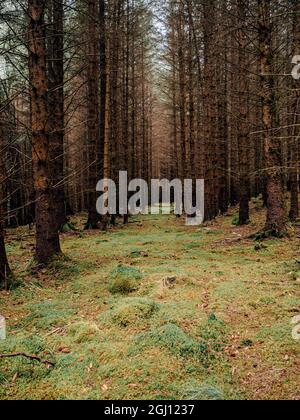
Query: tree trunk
[[103, 149], [210, 110], [243, 135], [182, 92], [47, 238], [93, 113], [5, 272], [56, 108], [276, 223], [295, 132]]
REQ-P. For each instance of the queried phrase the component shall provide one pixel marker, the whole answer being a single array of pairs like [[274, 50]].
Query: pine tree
[[47, 237]]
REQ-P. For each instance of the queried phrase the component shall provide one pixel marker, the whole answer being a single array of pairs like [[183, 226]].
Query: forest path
[[223, 331]]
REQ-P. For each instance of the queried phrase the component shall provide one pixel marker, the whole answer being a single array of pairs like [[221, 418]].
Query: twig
[[36, 358], [57, 330]]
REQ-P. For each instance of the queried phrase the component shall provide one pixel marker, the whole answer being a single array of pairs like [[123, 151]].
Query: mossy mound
[[83, 332], [207, 350], [125, 280], [132, 311], [205, 392], [175, 339]]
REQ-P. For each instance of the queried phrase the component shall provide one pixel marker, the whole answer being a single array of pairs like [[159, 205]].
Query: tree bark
[[276, 223], [243, 134], [295, 132], [93, 113], [56, 108], [5, 272], [210, 110], [47, 238]]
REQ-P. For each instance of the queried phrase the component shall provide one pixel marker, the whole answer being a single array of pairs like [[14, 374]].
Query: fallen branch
[[35, 358]]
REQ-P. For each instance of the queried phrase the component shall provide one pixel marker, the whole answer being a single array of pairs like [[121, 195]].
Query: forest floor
[[222, 332]]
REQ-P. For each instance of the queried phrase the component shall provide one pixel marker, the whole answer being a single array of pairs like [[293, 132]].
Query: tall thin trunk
[[276, 223], [133, 144], [233, 109], [103, 149], [209, 104], [5, 272], [182, 91], [56, 107], [47, 238], [127, 140], [115, 118], [294, 176], [93, 112], [192, 132], [243, 135]]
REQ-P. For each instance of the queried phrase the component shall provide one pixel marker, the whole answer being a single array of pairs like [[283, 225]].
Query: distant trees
[[97, 86], [223, 84], [114, 127]]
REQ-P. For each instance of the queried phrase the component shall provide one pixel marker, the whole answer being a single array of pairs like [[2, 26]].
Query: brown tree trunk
[[191, 83], [5, 272], [210, 110], [234, 149], [294, 176], [276, 223], [182, 92], [115, 118], [47, 238], [103, 149], [176, 162], [93, 113], [243, 134], [56, 108], [127, 141]]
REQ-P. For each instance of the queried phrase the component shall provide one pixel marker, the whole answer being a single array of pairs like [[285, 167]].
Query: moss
[[213, 337], [206, 392], [47, 314], [236, 220], [175, 340], [182, 352], [83, 332], [133, 310], [125, 280]]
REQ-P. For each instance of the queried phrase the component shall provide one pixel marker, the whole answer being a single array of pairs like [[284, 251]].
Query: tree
[[93, 111], [276, 223], [47, 237], [55, 38], [243, 135], [5, 272], [295, 131]]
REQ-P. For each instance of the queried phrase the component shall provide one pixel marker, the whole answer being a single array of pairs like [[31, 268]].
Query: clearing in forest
[[155, 310]]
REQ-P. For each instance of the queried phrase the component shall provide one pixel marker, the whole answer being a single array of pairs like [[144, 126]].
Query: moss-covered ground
[[222, 332]]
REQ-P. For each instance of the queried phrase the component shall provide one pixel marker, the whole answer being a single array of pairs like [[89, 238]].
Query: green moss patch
[[124, 280], [133, 311]]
